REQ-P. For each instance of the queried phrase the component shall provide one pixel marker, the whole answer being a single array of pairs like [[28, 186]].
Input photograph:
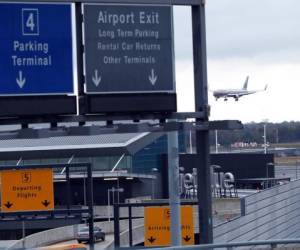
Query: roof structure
[[77, 146]]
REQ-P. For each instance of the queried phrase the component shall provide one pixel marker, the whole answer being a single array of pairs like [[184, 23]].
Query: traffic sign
[[36, 49], [128, 49], [27, 190], [157, 226]]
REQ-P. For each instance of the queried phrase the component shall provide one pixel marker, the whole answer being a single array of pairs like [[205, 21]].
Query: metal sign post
[[202, 137], [174, 198]]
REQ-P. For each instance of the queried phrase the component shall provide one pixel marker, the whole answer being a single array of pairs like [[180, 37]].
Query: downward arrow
[[20, 80], [96, 79], [8, 204], [152, 78], [187, 238], [151, 239], [45, 203]]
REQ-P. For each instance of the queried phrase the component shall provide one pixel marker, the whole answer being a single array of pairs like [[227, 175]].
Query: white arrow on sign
[[20, 80], [152, 78], [96, 79]]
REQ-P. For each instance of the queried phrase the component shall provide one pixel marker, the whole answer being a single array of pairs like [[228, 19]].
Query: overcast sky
[[256, 38]]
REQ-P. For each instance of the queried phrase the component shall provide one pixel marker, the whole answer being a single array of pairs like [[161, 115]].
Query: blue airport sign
[[35, 49], [128, 48]]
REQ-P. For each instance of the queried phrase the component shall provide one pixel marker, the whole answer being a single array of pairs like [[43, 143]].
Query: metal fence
[[270, 214]]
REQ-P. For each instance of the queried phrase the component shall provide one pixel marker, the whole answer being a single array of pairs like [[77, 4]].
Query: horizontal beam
[[48, 212], [103, 117], [140, 127], [86, 165], [150, 2]]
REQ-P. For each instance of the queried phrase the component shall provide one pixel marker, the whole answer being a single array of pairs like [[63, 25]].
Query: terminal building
[[124, 167]]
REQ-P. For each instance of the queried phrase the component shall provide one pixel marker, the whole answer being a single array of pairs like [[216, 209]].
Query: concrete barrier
[[69, 232], [61, 234]]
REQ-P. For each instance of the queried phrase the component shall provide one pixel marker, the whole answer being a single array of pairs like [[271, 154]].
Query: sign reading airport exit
[[128, 49], [26, 190], [36, 49]]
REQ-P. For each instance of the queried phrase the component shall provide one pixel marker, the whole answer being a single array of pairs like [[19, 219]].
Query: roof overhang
[[77, 146]]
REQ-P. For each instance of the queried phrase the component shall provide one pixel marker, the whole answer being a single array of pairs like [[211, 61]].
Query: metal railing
[[272, 243]]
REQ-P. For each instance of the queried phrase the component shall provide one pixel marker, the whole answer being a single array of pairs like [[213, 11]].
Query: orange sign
[[27, 190], [157, 226]]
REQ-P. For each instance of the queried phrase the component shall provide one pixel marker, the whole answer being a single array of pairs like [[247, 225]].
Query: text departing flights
[[26, 190], [36, 49], [235, 93]]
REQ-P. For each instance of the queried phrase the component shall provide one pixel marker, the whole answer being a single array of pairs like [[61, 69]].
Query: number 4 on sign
[[30, 22]]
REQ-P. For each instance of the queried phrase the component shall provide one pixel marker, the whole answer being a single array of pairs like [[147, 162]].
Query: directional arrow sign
[[151, 239], [96, 79], [36, 49], [152, 77], [134, 49], [46, 203], [26, 190], [157, 226], [8, 204], [187, 238], [20, 80]]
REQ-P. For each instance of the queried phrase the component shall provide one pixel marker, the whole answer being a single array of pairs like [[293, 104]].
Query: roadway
[[4, 244], [98, 245]]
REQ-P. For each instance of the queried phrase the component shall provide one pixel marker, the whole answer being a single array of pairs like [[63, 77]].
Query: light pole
[[153, 170], [265, 135], [84, 189], [216, 141], [113, 190], [297, 169], [269, 164]]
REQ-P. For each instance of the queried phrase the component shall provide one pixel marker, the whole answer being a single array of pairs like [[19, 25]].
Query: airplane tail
[[266, 87], [246, 83]]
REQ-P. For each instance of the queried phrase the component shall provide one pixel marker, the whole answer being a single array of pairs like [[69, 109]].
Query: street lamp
[[153, 170], [113, 190], [216, 141], [265, 135]]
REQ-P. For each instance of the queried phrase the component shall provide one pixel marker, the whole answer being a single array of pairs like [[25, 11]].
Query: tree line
[[285, 132]]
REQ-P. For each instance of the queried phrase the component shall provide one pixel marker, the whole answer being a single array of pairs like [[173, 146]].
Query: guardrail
[[272, 243]]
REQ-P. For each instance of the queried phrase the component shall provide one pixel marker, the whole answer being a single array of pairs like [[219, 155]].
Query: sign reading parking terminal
[[36, 49], [128, 48], [27, 190]]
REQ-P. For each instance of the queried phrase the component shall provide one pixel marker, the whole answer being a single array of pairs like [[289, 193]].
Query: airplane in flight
[[235, 93]]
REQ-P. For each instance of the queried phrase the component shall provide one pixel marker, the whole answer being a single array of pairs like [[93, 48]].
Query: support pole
[[23, 234], [116, 226], [174, 199], [202, 137], [90, 205], [68, 187], [79, 52]]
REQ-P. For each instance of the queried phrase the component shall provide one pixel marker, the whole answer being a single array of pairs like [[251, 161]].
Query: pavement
[[6, 243], [98, 246]]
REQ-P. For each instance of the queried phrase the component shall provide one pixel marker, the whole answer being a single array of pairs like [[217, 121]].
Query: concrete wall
[[66, 233], [270, 214]]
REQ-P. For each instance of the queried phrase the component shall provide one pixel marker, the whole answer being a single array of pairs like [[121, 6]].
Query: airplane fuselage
[[231, 93], [235, 93]]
